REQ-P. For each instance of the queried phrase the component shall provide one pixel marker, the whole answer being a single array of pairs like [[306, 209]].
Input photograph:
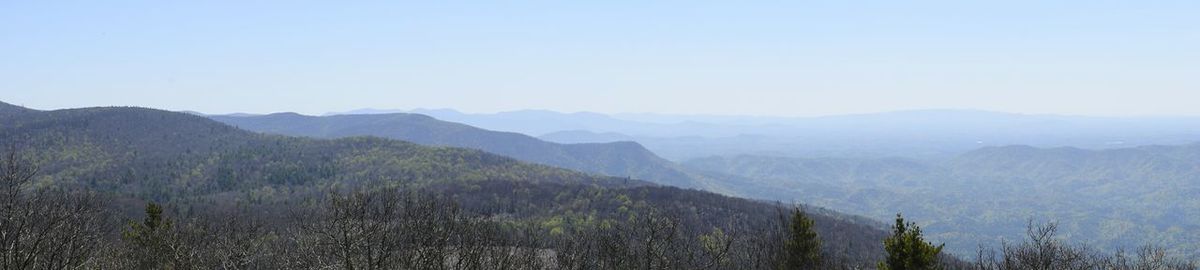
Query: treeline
[[382, 229], [481, 225], [392, 228], [1043, 250]]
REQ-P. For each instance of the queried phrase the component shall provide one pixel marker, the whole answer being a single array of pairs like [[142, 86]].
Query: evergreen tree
[[148, 239], [802, 248], [907, 249]]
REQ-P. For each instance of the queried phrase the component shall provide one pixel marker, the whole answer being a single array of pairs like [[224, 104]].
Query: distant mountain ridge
[[922, 134], [621, 159]]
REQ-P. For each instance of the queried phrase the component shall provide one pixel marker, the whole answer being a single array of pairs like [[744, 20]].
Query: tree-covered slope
[[1117, 198], [159, 154], [620, 159]]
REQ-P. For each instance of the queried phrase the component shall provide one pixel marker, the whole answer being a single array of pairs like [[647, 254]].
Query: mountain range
[[920, 134]]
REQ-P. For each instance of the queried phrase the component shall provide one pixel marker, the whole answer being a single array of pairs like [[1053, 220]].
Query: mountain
[[1113, 198], [137, 150], [195, 164], [920, 134], [621, 159]]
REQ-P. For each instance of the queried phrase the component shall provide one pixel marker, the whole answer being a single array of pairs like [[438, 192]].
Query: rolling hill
[[619, 159], [160, 154]]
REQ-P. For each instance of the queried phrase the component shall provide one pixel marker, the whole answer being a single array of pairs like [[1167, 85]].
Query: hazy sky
[[1090, 57]]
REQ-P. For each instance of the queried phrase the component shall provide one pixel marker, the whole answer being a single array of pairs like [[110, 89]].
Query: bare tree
[[387, 229], [1043, 251], [42, 228]]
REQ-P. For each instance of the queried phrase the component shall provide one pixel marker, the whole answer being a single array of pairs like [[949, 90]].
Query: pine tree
[[907, 249], [802, 248], [148, 239]]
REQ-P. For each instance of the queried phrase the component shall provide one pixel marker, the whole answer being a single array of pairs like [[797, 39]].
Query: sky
[[778, 58]]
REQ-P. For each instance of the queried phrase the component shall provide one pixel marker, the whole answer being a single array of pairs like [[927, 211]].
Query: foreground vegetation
[[394, 229], [448, 226]]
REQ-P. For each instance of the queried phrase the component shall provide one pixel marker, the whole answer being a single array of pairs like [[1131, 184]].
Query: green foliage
[[802, 247], [907, 249]]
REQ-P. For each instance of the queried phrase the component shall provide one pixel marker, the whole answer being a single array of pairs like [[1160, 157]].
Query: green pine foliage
[[907, 249], [149, 241], [802, 248]]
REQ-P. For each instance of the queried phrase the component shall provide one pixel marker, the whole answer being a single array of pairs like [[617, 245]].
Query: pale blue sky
[[720, 57]]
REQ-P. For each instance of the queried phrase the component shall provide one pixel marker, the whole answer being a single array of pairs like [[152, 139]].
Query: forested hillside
[[161, 155], [200, 170], [1109, 199], [619, 159]]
